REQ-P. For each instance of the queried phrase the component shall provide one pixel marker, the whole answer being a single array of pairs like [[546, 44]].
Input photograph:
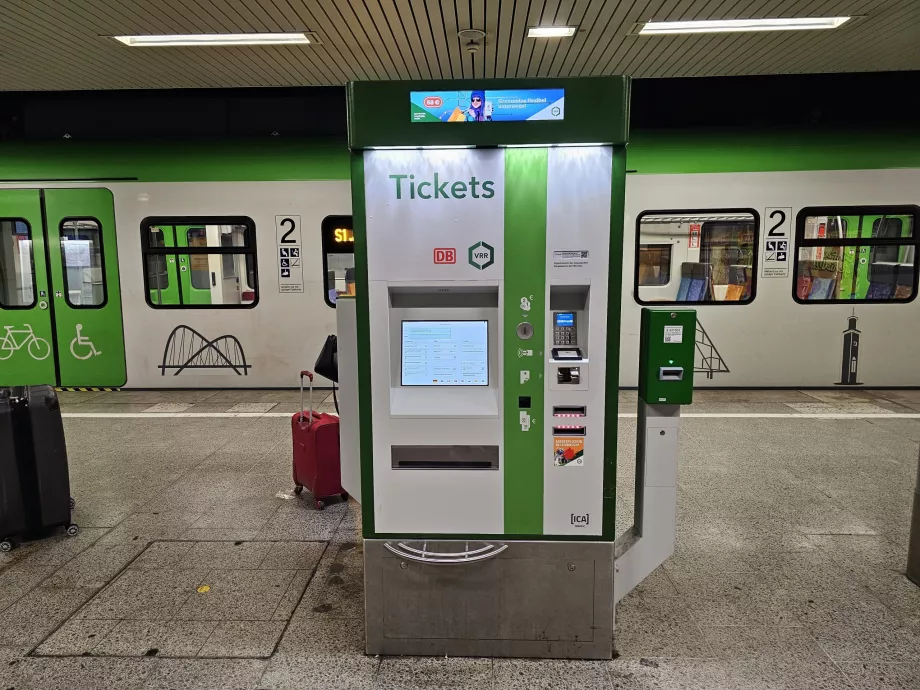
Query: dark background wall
[[890, 99]]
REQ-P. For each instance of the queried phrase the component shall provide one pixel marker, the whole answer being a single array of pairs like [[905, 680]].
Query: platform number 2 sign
[[290, 268], [777, 232]]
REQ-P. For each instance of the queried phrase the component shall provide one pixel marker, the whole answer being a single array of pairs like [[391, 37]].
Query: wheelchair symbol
[[83, 342]]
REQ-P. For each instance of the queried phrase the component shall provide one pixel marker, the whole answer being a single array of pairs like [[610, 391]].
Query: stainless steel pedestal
[[460, 598]]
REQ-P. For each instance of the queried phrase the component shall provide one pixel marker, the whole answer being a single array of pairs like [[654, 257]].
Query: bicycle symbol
[[84, 342], [38, 348]]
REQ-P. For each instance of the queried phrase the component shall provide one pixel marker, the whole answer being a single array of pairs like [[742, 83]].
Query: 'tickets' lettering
[[407, 187]]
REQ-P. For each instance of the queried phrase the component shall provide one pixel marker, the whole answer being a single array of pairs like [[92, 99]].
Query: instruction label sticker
[[570, 259], [674, 334], [776, 236], [569, 451], [289, 257]]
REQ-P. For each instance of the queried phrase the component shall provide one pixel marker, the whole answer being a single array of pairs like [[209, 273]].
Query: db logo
[[434, 102], [445, 256]]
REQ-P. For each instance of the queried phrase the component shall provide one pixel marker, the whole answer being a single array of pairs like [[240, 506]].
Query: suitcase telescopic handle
[[309, 375]]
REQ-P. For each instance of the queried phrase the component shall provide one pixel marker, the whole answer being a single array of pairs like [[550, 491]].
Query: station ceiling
[[64, 45]]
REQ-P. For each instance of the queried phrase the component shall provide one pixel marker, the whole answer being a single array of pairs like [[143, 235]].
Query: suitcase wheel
[[344, 495], [72, 530], [6, 546], [319, 504], [298, 489], [73, 503]]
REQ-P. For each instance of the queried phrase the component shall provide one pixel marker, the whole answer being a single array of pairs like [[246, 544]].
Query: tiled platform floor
[[788, 572]]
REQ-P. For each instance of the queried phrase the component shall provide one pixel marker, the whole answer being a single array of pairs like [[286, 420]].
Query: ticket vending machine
[[479, 362]]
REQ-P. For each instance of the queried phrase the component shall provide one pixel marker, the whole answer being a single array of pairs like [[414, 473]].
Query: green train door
[[26, 333], [162, 280], [63, 324], [194, 269]]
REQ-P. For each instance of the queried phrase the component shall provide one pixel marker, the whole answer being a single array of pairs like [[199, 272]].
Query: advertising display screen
[[495, 105], [445, 353]]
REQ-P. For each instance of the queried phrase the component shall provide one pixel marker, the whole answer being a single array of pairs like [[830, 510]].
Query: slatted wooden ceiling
[[64, 44]]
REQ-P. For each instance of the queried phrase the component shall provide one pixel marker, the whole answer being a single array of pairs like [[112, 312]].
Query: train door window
[[338, 241], [216, 260], [17, 268], [654, 264], [84, 263], [199, 273], [713, 252], [157, 273], [856, 254]]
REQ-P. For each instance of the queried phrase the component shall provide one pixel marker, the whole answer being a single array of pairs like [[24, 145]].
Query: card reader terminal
[[564, 331], [565, 336]]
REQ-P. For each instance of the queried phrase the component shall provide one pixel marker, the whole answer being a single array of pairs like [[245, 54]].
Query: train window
[[17, 268], [200, 262], [84, 265], [157, 274], [856, 254], [654, 264], [199, 272], [712, 252], [338, 240]]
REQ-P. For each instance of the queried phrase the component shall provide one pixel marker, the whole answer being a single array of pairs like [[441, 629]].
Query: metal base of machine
[[533, 599]]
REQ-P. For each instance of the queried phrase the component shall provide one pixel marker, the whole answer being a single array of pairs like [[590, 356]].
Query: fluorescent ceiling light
[[550, 31], [706, 26], [168, 40]]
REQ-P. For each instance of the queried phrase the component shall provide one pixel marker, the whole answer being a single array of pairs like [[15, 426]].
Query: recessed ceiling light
[[705, 26], [172, 40], [550, 31]]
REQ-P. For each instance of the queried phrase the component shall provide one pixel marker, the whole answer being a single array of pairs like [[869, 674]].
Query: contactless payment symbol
[[481, 255]]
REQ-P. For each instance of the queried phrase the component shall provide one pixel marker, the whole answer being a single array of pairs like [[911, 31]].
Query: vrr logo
[[443, 255], [481, 255]]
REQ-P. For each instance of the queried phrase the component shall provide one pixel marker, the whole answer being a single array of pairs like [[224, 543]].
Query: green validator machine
[[479, 362]]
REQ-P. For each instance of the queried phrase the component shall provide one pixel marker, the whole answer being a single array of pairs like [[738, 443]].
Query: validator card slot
[[569, 430]]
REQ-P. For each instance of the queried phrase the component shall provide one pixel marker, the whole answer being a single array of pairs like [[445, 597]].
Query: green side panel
[[525, 276], [751, 150], [365, 410], [189, 276], [90, 339], [596, 111], [26, 335], [667, 340], [612, 384], [272, 159]]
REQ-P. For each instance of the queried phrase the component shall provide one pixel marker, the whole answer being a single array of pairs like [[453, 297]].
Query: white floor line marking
[[623, 415]]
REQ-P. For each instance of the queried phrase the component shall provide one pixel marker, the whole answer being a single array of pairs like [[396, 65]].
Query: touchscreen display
[[564, 319], [445, 353]]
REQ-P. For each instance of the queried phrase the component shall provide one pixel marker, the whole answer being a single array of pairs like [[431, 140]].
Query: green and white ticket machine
[[479, 361]]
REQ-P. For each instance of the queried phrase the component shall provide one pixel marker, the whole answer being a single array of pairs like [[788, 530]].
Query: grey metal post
[[913, 549]]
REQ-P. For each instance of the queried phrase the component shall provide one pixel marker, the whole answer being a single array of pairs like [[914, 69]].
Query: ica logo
[[443, 255], [580, 520]]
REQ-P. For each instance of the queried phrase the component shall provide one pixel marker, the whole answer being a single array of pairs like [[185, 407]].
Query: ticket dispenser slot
[[670, 373]]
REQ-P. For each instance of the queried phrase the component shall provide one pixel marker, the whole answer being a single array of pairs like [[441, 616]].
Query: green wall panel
[[525, 275]]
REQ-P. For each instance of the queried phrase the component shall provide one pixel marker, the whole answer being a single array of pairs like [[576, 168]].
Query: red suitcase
[[317, 463]]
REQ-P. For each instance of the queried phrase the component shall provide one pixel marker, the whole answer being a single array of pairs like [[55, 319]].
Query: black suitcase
[[34, 473]]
